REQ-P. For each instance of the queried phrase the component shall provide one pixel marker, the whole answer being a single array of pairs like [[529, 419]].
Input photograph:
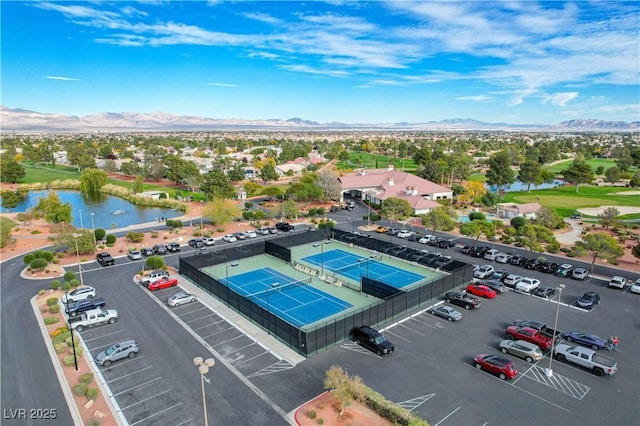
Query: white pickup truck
[[92, 318], [588, 358]]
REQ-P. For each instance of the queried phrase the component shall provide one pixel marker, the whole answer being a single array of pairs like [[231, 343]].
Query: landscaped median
[[82, 390]]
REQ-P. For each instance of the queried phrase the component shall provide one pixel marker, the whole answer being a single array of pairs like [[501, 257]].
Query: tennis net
[[277, 287]]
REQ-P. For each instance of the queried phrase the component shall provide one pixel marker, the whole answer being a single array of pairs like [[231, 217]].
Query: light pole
[[201, 228], [81, 226], [273, 286], [203, 368], [226, 270], [549, 372], [75, 237], [93, 230], [73, 343], [321, 245]]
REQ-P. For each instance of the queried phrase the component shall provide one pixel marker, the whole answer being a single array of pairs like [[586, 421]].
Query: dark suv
[[159, 249], [372, 339], [105, 259], [173, 247], [284, 226]]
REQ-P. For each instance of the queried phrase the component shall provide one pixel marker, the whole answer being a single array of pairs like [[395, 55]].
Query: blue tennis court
[[353, 266], [295, 301]]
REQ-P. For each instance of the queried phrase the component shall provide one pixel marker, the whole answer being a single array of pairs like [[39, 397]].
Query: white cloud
[[476, 98], [560, 98], [311, 70], [262, 17], [53, 77]]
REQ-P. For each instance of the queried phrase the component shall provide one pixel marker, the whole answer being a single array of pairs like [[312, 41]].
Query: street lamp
[[226, 270], [93, 230], [73, 343], [203, 368], [75, 237], [549, 372], [81, 226], [273, 286], [321, 245]]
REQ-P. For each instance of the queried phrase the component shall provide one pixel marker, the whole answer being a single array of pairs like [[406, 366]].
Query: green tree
[[609, 217], [155, 262], [549, 218], [52, 209], [67, 242], [11, 199], [11, 170], [500, 172], [216, 185], [138, 185], [395, 208], [635, 251], [220, 211], [438, 219], [530, 173], [612, 174], [236, 174], [328, 182], [342, 386], [6, 226], [180, 170], [268, 172], [518, 222], [131, 168], [91, 180], [305, 188], [472, 229], [578, 173], [533, 236], [599, 245], [271, 191]]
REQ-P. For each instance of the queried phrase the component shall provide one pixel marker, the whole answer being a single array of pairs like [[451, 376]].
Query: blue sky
[[354, 62]]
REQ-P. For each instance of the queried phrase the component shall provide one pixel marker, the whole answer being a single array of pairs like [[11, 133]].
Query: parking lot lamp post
[[549, 372], [93, 230], [73, 343], [226, 270], [321, 245], [271, 287], [203, 368], [75, 238]]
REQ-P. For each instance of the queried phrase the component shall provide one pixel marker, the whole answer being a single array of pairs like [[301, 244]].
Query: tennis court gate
[[310, 340]]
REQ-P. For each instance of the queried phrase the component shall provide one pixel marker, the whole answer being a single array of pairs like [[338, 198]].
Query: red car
[[496, 364], [481, 290], [165, 282]]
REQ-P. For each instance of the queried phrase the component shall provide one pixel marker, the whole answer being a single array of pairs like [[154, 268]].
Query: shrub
[[69, 361], [41, 292], [477, 216], [99, 234], [320, 211], [52, 301], [94, 422], [155, 262], [174, 223], [74, 283], [51, 320], [320, 421], [65, 287], [43, 254], [59, 330], [54, 309], [69, 275], [154, 234], [55, 261], [79, 350], [134, 237], [62, 337], [28, 259], [86, 378], [80, 389], [312, 212], [60, 347], [312, 414], [38, 263], [111, 240], [553, 247], [92, 393]]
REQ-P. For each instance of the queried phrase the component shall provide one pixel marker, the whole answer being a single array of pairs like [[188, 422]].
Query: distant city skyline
[[334, 61]]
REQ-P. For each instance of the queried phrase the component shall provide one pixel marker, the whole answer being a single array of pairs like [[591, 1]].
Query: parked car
[[229, 238], [446, 312], [134, 254], [373, 340], [146, 252], [75, 308], [496, 364], [548, 267], [564, 270], [240, 236], [485, 271], [196, 242], [464, 249], [527, 285], [491, 254], [481, 290], [284, 226], [545, 292], [104, 259], [460, 298], [159, 249], [495, 285], [525, 350], [588, 300], [426, 239], [503, 257], [250, 234], [164, 282], [445, 244], [617, 282], [173, 247], [125, 349], [479, 251], [93, 318], [500, 275], [415, 237], [588, 358], [262, 231], [209, 241], [635, 287], [511, 280], [272, 230], [404, 233], [530, 335], [334, 209], [518, 260], [585, 339], [181, 298], [81, 293], [382, 229], [533, 264], [153, 276], [579, 274]]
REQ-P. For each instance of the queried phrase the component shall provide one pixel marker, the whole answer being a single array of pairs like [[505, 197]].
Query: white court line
[[448, 415], [146, 399], [155, 414], [137, 386]]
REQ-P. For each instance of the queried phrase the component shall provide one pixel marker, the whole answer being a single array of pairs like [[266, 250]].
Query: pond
[[519, 186], [107, 211]]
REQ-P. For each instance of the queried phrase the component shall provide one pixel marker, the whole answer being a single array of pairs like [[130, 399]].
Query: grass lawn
[[606, 163], [365, 159], [44, 174], [566, 201]]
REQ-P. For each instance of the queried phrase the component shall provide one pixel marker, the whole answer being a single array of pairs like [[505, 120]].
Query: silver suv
[[154, 276], [125, 349], [618, 281]]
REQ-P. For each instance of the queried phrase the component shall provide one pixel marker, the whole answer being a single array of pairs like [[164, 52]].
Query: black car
[[173, 247], [284, 226], [414, 237], [545, 292], [463, 299], [548, 267], [373, 340], [334, 209], [75, 308], [196, 243], [494, 285], [105, 259], [146, 252], [445, 244], [588, 300], [533, 264], [480, 251], [466, 249], [518, 260], [159, 249]]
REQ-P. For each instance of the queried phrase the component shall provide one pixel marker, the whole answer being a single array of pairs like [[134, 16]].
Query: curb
[[294, 414]]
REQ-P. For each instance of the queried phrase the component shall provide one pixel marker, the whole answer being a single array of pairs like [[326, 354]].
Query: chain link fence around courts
[[312, 339]]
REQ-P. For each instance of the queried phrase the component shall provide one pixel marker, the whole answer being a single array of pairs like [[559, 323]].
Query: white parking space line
[[211, 314], [127, 375], [273, 368], [102, 336], [218, 332], [146, 399], [398, 336], [227, 341], [540, 398], [413, 403], [185, 422], [155, 414], [245, 346], [426, 323], [137, 386], [244, 361], [411, 329], [447, 416], [208, 325], [558, 382], [195, 310], [122, 363]]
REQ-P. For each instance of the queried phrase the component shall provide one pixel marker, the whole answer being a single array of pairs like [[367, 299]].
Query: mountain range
[[26, 121]]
